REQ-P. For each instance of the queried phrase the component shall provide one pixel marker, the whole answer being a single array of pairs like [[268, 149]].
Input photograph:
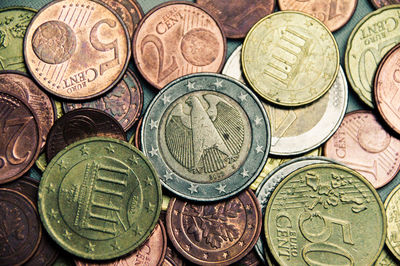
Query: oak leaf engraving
[[11, 226]]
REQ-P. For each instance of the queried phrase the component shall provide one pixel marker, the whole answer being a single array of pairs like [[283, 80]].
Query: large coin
[[99, 198], [290, 58], [324, 212], [367, 45], [382, 3], [176, 39], [77, 49], [207, 135], [393, 217]]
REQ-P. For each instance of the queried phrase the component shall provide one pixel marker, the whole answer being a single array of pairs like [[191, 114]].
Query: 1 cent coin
[[393, 217], [382, 3], [77, 49], [175, 39]]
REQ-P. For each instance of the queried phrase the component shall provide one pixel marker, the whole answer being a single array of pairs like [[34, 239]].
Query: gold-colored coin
[[393, 218], [290, 58]]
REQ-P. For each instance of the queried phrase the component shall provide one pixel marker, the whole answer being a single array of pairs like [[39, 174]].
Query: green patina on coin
[[290, 58], [392, 203], [41, 162], [13, 24], [99, 198], [325, 214], [368, 43]]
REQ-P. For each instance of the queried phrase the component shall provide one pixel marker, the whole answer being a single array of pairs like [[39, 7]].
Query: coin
[[385, 259], [124, 102], [366, 47], [214, 234], [77, 49], [207, 135], [333, 13], [136, 136], [393, 217], [99, 198], [324, 210], [175, 39], [13, 24], [290, 58], [172, 258], [382, 3], [19, 139], [41, 162], [20, 228], [237, 17], [250, 259], [80, 124]]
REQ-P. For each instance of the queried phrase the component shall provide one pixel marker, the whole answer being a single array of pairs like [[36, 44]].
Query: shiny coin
[[207, 135], [290, 58], [393, 216], [99, 198], [77, 49], [382, 3]]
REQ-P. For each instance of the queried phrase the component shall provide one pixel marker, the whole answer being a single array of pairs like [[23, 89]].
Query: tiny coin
[[382, 3], [393, 216]]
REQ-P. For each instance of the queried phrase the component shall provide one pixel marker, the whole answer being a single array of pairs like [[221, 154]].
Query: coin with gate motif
[[324, 211], [175, 39], [382, 3], [290, 58], [99, 198], [77, 49], [207, 135], [215, 234], [393, 217]]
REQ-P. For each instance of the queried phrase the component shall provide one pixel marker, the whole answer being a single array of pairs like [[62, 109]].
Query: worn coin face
[[124, 102], [215, 234], [367, 45], [382, 3], [237, 17], [176, 39], [325, 210], [20, 137], [393, 216], [290, 58], [77, 49], [207, 135], [100, 198]]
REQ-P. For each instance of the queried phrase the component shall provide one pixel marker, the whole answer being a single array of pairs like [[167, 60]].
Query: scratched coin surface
[[215, 234], [393, 217], [324, 211], [20, 228], [20, 137], [290, 58], [77, 49], [99, 198], [176, 39], [207, 135], [369, 41], [237, 17], [382, 3], [124, 102]]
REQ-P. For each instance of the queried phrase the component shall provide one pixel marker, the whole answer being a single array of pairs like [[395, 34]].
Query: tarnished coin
[[20, 228], [290, 58], [364, 145], [367, 45], [325, 210], [382, 3], [386, 259], [77, 49], [13, 24], [215, 234], [251, 259], [333, 13], [393, 217], [136, 136], [175, 39], [99, 198], [80, 124], [237, 17], [20, 137], [124, 102], [207, 135]]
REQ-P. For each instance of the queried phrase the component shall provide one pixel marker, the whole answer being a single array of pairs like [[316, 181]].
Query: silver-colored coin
[[207, 135]]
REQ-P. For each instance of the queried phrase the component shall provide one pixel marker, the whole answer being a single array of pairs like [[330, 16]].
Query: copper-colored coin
[[215, 234], [19, 137], [250, 259], [124, 102], [137, 134], [80, 124], [382, 3], [364, 145], [237, 17], [172, 257], [175, 39], [20, 84], [77, 49]]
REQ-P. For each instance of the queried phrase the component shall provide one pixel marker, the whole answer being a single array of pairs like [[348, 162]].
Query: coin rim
[[386, 204]]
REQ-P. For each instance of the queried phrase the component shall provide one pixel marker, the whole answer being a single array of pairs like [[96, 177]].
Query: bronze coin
[[124, 102], [137, 134], [19, 137], [215, 234], [172, 257], [20, 84], [20, 229], [382, 3], [237, 17], [80, 124], [250, 259], [175, 39]]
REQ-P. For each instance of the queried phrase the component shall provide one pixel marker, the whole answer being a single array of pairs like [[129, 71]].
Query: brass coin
[[393, 216]]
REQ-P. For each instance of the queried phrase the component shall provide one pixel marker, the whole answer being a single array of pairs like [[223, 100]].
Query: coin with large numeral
[[77, 49]]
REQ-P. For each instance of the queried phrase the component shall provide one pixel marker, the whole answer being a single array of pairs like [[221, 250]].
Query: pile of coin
[[129, 138]]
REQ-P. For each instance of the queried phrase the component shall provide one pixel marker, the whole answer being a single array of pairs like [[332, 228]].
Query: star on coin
[[50, 188], [67, 235], [221, 188], [244, 173], [137, 229], [115, 246], [62, 165], [110, 148], [90, 247], [241, 243], [259, 149], [205, 256], [242, 97], [133, 159], [190, 85], [218, 83], [153, 124], [150, 207], [168, 176], [148, 181], [53, 214], [153, 152], [166, 99], [258, 121], [251, 226], [84, 150], [225, 255], [193, 188], [309, 23]]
